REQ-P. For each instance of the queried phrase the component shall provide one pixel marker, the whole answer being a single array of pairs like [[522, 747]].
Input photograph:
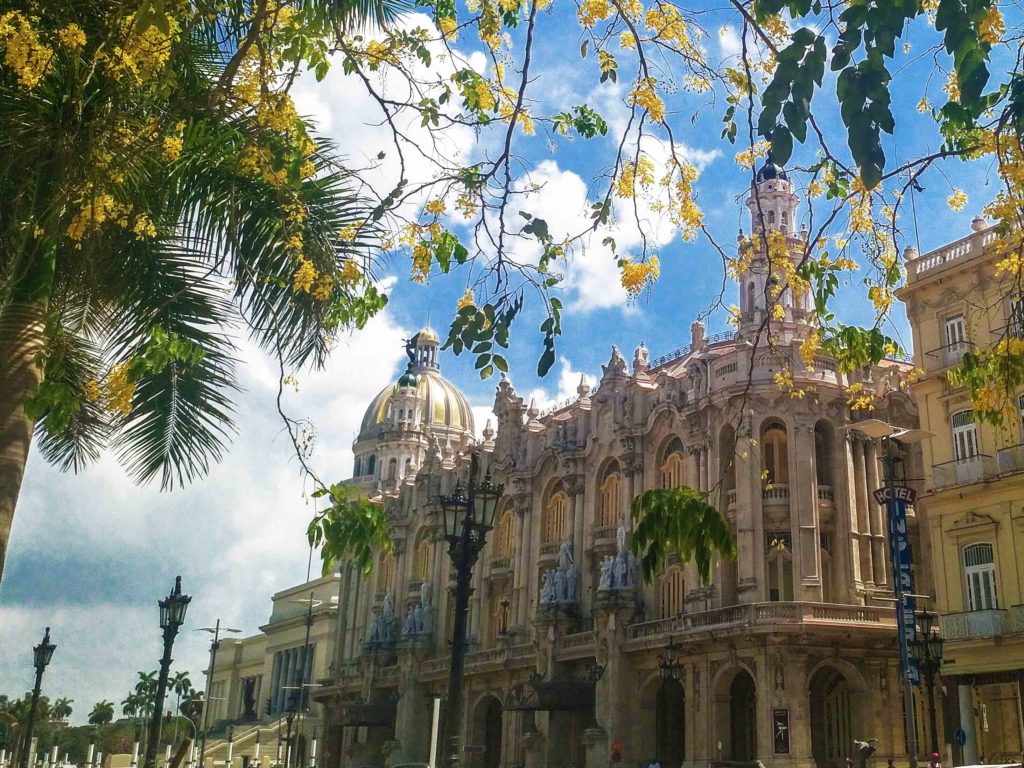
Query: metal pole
[[929, 671], [27, 738], [908, 689], [156, 721], [206, 703]]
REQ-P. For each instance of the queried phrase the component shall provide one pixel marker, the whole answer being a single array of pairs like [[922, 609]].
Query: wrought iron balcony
[[974, 469], [1011, 459], [971, 625]]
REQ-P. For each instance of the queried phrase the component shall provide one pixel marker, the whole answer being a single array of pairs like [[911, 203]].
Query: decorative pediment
[[972, 520]]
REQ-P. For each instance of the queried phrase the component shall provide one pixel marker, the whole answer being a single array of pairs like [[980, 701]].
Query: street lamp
[[892, 438], [172, 616], [927, 648], [669, 666], [468, 514], [214, 645], [291, 709], [41, 655]]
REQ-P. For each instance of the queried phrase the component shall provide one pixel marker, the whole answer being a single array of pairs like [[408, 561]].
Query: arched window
[[408, 468], [371, 465], [673, 467], [779, 562], [771, 217], [392, 469], [980, 570], [965, 435], [554, 517], [610, 496], [506, 533], [672, 592], [357, 468], [822, 454], [774, 447], [386, 576], [422, 560], [825, 545], [750, 296]]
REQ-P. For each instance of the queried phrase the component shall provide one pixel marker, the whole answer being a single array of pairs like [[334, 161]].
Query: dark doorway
[[492, 734], [743, 717], [670, 733], [831, 719]]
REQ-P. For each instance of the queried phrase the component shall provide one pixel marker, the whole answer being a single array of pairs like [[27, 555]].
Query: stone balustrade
[[965, 248], [971, 625], [753, 614]]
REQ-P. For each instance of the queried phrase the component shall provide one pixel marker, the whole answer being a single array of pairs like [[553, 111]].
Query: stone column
[[875, 516], [526, 543], [749, 534], [615, 704], [860, 499], [518, 574], [704, 482], [846, 573], [803, 510]]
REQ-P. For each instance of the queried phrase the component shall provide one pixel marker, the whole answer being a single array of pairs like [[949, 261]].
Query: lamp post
[[467, 515], [172, 616], [927, 649], [214, 645], [291, 709], [41, 655]]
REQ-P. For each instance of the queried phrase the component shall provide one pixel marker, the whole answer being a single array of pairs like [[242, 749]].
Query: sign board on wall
[[780, 731]]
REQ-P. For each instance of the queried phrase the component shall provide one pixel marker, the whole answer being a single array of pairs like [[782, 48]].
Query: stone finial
[[640, 359], [533, 411], [910, 253], [978, 223], [696, 334], [584, 388], [488, 430]]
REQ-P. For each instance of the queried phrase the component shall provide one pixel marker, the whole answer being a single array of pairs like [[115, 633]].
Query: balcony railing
[[753, 614], [976, 624], [1011, 459], [825, 494], [974, 469], [730, 498], [1017, 615], [776, 493]]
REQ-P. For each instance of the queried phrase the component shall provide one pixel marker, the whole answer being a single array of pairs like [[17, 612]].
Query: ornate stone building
[[786, 657]]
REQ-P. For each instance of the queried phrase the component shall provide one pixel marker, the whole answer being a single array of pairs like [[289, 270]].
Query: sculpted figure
[[605, 582]]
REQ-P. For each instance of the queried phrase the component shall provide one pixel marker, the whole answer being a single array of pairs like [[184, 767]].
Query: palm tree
[[145, 214], [102, 712], [61, 709], [181, 685], [132, 705]]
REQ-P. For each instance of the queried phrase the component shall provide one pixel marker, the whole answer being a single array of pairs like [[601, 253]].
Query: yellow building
[[974, 497]]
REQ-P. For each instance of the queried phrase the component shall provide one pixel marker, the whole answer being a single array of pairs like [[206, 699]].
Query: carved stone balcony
[[975, 469], [972, 625], [1011, 459], [798, 615]]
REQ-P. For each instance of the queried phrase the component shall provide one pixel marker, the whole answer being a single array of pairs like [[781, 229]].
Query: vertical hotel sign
[[896, 500]]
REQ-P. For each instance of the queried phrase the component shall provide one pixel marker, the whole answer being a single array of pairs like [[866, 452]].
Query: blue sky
[[91, 554]]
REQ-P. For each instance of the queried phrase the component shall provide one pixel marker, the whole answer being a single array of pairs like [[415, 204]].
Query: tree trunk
[[21, 345]]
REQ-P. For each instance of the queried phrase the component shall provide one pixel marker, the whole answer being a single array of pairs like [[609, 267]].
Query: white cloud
[[568, 381], [112, 548]]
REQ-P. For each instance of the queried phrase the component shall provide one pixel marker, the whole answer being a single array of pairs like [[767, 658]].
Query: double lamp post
[[468, 515], [172, 616]]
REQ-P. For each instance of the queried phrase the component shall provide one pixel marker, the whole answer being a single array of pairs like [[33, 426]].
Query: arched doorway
[[831, 718], [743, 717], [670, 731], [488, 732]]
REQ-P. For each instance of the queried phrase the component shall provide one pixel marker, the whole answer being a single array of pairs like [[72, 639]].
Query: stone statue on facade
[[619, 572], [410, 621], [605, 582], [547, 591], [640, 359], [616, 364]]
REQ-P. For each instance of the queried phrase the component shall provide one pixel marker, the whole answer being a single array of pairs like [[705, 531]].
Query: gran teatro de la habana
[[787, 657]]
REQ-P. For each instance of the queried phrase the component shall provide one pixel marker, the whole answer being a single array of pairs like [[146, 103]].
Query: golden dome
[[427, 334], [441, 407]]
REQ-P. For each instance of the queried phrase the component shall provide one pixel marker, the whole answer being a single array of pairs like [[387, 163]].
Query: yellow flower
[[449, 27], [467, 300], [748, 157], [350, 272], [646, 97], [119, 389], [23, 52], [957, 200], [923, 105], [348, 233], [814, 189], [593, 11], [91, 391], [992, 27], [952, 87], [637, 275], [144, 226], [172, 148], [435, 207], [323, 288], [304, 277], [421, 258], [627, 41], [71, 37]]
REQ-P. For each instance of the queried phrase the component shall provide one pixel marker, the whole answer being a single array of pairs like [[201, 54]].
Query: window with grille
[[675, 465], [965, 435], [956, 332], [421, 562], [554, 517], [1015, 322], [610, 495], [779, 563], [980, 570], [386, 577], [774, 447], [672, 592], [506, 533]]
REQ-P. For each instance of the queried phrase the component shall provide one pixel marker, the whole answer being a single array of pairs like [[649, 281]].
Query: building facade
[[786, 657], [974, 499]]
